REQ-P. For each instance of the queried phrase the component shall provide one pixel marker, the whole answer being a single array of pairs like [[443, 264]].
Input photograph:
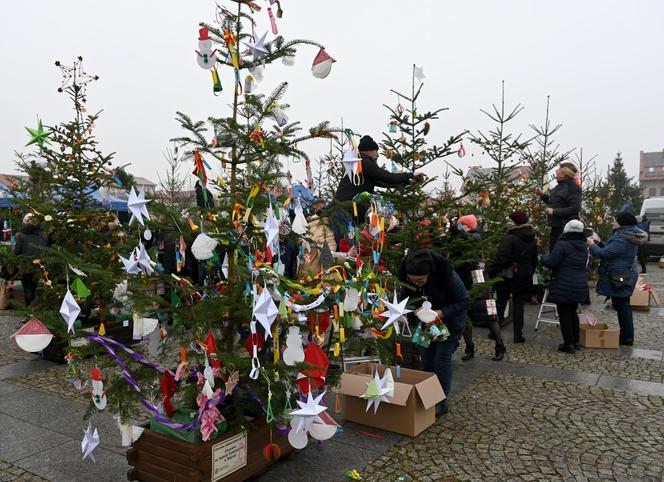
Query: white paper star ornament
[[379, 390], [258, 49], [265, 311], [69, 310], [396, 311], [137, 204], [271, 227], [89, 442], [308, 413], [350, 161]]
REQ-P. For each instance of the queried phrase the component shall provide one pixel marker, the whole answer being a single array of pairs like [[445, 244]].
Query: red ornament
[[211, 343], [167, 387], [259, 340], [320, 318], [272, 452], [313, 377]]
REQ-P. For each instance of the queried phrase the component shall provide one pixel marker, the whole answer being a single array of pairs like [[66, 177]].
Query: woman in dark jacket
[[569, 261], [515, 262], [30, 243], [617, 270], [432, 275]]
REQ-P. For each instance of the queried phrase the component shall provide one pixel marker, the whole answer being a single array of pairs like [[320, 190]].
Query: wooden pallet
[[155, 457]]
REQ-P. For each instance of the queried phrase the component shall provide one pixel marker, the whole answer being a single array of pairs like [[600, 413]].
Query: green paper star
[[39, 135]]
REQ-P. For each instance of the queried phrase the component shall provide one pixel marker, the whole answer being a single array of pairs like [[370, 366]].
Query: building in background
[[651, 173]]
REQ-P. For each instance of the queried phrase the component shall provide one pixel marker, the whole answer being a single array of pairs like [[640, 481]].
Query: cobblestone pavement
[[601, 362], [12, 473], [506, 427], [11, 353]]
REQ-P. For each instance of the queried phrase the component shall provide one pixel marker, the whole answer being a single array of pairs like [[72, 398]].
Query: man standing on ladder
[[563, 201]]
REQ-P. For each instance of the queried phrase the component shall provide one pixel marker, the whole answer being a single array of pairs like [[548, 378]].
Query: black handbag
[[621, 278]]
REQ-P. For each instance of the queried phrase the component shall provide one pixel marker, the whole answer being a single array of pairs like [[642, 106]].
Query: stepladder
[[548, 313]]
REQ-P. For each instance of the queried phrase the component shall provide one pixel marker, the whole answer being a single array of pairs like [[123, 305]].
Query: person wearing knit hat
[[519, 217], [464, 238], [563, 201], [514, 262], [469, 221], [373, 176], [569, 284], [617, 269], [426, 273]]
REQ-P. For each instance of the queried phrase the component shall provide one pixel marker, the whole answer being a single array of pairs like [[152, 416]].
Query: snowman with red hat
[[206, 56], [98, 393]]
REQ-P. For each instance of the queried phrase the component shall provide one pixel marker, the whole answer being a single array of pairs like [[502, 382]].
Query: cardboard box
[[411, 410], [640, 299], [599, 336]]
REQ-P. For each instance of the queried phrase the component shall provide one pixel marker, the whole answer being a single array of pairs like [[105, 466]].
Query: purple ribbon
[[109, 344]]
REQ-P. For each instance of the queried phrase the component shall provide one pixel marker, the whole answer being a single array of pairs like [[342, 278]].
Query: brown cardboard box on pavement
[[411, 410], [640, 299], [599, 336]]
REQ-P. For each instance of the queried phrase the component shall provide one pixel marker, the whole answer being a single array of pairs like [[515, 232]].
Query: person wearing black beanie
[[428, 274], [626, 219], [372, 176]]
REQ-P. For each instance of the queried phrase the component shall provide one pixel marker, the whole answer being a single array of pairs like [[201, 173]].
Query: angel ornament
[[431, 327]]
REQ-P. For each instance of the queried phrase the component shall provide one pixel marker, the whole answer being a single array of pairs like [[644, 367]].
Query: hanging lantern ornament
[[461, 152], [393, 126], [322, 64]]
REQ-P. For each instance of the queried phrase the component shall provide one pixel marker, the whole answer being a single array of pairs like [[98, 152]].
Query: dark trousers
[[437, 358], [519, 299], [569, 322], [468, 334], [29, 282], [555, 234], [625, 319]]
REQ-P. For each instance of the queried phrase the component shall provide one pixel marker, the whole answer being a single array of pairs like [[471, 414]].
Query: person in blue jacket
[[431, 275], [569, 286], [617, 269]]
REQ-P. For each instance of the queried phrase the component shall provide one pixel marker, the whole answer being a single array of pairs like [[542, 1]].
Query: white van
[[654, 208]]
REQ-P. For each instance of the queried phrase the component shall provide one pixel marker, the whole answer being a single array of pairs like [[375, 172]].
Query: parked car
[[654, 208]]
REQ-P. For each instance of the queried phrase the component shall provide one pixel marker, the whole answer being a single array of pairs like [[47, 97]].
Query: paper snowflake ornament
[[33, 336], [69, 310], [137, 205], [350, 161], [265, 311], [258, 49], [322, 65], [271, 227], [90, 442], [379, 390], [396, 312], [38, 135]]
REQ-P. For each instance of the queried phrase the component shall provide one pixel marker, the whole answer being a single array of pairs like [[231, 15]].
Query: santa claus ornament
[[98, 393], [33, 336], [322, 65]]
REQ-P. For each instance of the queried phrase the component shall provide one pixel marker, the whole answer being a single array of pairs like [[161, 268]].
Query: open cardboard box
[[411, 410], [640, 299], [598, 336]]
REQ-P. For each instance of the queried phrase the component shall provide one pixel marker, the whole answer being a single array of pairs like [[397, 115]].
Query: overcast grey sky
[[600, 61]]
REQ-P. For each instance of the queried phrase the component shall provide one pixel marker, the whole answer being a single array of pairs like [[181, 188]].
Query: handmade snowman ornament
[[205, 54], [98, 393], [294, 352]]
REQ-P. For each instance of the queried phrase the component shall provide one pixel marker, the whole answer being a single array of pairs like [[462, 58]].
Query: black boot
[[500, 352], [469, 353], [566, 348]]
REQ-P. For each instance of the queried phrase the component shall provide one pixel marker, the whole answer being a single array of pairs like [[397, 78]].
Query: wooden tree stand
[[159, 458]]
